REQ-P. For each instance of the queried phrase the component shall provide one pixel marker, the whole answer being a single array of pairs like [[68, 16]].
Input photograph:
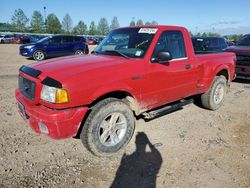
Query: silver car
[[6, 38]]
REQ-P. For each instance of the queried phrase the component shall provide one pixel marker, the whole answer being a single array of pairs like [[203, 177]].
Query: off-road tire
[[214, 97], [91, 134]]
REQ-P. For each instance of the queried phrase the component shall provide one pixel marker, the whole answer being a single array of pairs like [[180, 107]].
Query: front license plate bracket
[[21, 109]]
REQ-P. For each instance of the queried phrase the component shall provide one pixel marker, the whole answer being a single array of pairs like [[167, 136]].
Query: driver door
[[173, 80]]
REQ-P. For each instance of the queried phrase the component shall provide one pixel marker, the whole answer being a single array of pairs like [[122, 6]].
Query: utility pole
[[45, 19]]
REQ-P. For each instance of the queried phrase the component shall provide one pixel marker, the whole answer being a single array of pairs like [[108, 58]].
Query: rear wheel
[[214, 97], [38, 55], [108, 128], [79, 52]]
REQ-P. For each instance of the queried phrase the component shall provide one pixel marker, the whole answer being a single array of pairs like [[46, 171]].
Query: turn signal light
[[62, 96]]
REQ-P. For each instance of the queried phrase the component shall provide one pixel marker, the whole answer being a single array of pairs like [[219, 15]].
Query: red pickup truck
[[146, 70]]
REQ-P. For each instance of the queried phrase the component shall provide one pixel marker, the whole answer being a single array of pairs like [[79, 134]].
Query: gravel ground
[[192, 147]]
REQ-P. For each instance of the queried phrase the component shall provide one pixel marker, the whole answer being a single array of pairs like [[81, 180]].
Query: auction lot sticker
[[148, 30]]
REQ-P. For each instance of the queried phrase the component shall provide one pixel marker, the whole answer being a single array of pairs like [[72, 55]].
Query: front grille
[[243, 60], [27, 87]]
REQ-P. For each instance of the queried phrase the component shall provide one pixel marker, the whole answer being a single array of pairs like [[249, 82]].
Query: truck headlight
[[54, 95]]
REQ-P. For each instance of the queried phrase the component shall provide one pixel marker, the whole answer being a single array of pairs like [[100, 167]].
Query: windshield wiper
[[117, 52], [143, 42]]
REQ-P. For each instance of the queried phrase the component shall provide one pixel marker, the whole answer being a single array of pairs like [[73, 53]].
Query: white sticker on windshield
[[148, 30], [138, 53]]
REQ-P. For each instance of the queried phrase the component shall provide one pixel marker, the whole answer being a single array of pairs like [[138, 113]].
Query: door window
[[67, 39], [56, 39], [77, 39], [173, 42]]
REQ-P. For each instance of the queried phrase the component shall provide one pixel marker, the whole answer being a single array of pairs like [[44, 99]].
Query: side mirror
[[162, 57]]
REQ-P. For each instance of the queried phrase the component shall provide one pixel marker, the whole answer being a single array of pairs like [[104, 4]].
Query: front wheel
[[214, 97], [108, 128], [38, 55]]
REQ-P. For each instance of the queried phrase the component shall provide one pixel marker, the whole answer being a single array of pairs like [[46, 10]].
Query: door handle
[[188, 66], [137, 77]]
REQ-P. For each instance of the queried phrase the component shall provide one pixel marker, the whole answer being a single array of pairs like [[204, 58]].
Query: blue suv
[[54, 46]]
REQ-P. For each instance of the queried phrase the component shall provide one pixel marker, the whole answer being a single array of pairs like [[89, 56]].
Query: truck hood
[[66, 67], [239, 49]]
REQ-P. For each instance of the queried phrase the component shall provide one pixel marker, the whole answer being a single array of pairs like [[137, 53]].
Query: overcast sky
[[222, 16]]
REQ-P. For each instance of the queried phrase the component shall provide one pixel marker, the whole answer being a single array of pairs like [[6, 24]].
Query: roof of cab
[[160, 27]]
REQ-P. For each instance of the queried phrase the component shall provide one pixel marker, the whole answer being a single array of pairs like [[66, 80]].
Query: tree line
[[211, 34], [51, 24]]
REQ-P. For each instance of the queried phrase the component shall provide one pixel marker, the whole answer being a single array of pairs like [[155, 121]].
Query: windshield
[[127, 42], [44, 39], [244, 41]]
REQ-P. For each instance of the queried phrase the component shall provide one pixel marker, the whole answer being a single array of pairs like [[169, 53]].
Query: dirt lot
[[192, 147]]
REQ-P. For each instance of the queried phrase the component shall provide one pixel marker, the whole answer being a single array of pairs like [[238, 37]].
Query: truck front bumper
[[57, 124], [243, 71]]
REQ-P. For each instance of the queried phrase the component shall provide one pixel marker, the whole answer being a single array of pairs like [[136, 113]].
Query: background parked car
[[20, 39], [230, 42], [55, 46], [209, 44], [6, 39], [242, 51], [99, 39], [91, 41]]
